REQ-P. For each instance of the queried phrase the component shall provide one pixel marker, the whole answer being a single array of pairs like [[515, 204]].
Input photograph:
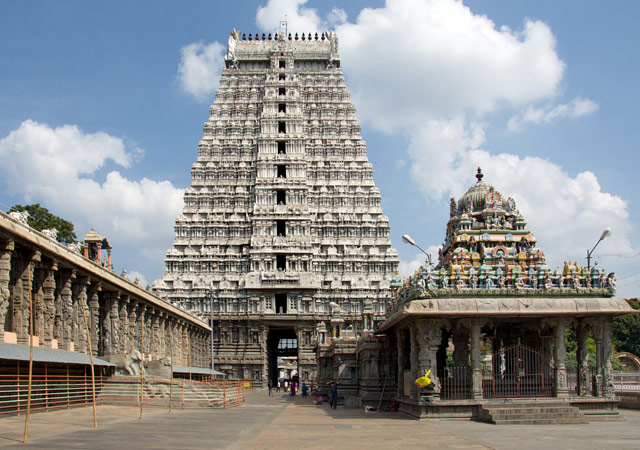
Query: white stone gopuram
[[282, 232]]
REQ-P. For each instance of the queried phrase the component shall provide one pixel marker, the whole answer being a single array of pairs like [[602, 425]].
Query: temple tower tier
[[282, 219]]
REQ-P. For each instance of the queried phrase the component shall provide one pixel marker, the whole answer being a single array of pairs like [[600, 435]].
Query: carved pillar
[[123, 314], [81, 300], [155, 330], [415, 369], [114, 324], [582, 357], [37, 281], [560, 355], [49, 301], [24, 276], [161, 335], [133, 330], [94, 316], [400, 342], [476, 356], [143, 336], [604, 370], [430, 338], [6, 249], [65, 328]]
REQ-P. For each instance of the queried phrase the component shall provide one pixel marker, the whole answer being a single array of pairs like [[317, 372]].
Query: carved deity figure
[[234, 36]]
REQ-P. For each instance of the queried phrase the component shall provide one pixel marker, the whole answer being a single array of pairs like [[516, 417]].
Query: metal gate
[[518, 371]]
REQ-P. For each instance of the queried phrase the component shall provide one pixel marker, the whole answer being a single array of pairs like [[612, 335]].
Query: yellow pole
[[93, 379], [142, 365], [171, 354], [26, 419]]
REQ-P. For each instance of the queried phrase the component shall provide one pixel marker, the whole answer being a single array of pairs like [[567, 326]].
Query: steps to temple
[[531, 413]]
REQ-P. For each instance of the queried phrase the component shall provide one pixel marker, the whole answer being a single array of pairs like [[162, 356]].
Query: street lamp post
[[408, 240], [605, 233]]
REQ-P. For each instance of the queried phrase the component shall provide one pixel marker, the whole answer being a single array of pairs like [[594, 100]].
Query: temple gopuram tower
[[282, 227]]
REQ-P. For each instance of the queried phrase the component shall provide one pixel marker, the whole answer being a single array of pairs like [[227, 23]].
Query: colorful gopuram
[[487, 247], [490, 320]]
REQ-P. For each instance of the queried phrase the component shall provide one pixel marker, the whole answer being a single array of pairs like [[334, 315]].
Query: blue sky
[[103, 106]]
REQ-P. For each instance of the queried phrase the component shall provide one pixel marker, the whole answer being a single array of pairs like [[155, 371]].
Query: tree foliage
[[41, 219], [626, 331]]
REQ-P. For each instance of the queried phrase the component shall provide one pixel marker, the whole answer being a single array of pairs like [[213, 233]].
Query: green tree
[[626, 331], [41, 219]]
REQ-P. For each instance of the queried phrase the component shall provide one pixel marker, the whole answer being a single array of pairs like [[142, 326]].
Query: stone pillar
[[6, 249], [21, 295], [430, 338], [49, 302], [476, 357], [400, 342], [155, 333], [560, 355], [80, 335], [604, 369], [133, 330], [37, 281], [114, 324], [123, 314], [582, 360], [162, 354], [94, 316], [143, 336], [66, 330], [415, 369]]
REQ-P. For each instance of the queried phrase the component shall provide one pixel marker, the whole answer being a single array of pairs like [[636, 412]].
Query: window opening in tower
[[282, 147], [282, 171], [281, 197], [281, 303], [281, 227]]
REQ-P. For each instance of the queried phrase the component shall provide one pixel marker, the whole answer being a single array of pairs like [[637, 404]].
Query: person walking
[[270, 384], [333, 393]]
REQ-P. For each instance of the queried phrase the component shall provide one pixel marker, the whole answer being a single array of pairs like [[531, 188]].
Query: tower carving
[[282, 217]]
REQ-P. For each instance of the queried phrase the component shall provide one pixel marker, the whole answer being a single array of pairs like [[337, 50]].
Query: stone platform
[[280, 422]]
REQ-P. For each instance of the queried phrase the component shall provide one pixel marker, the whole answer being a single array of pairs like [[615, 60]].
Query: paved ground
[[285, 423]]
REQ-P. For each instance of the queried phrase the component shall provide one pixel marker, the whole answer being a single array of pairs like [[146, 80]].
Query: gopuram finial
[[479, 175]]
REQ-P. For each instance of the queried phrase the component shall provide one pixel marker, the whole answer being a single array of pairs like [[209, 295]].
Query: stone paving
[[282, 422]]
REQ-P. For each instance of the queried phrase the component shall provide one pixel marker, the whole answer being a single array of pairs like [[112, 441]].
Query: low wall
[[630, 400]]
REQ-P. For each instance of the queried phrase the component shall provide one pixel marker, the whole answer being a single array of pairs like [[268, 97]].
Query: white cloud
[[566, 213], [135, 275], [57, 167], [408, 268], [199, 69], [578, 107], [435, 58], [299, 18]]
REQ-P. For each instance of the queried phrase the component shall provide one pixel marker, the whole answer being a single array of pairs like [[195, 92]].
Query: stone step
[[575, 421], [531, 413]]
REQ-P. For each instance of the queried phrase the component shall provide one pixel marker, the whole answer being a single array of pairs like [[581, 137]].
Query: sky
[[102, 107]]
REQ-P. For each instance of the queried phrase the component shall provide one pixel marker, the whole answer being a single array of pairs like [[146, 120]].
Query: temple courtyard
[[284, 422]]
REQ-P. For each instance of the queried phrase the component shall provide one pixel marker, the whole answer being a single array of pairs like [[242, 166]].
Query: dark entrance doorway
[[282, 349], [519, 371]]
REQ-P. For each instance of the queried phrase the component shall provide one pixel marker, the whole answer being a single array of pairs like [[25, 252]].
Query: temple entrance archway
[[282, 353]]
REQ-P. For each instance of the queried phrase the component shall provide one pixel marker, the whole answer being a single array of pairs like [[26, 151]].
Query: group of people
[[293, 388]]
